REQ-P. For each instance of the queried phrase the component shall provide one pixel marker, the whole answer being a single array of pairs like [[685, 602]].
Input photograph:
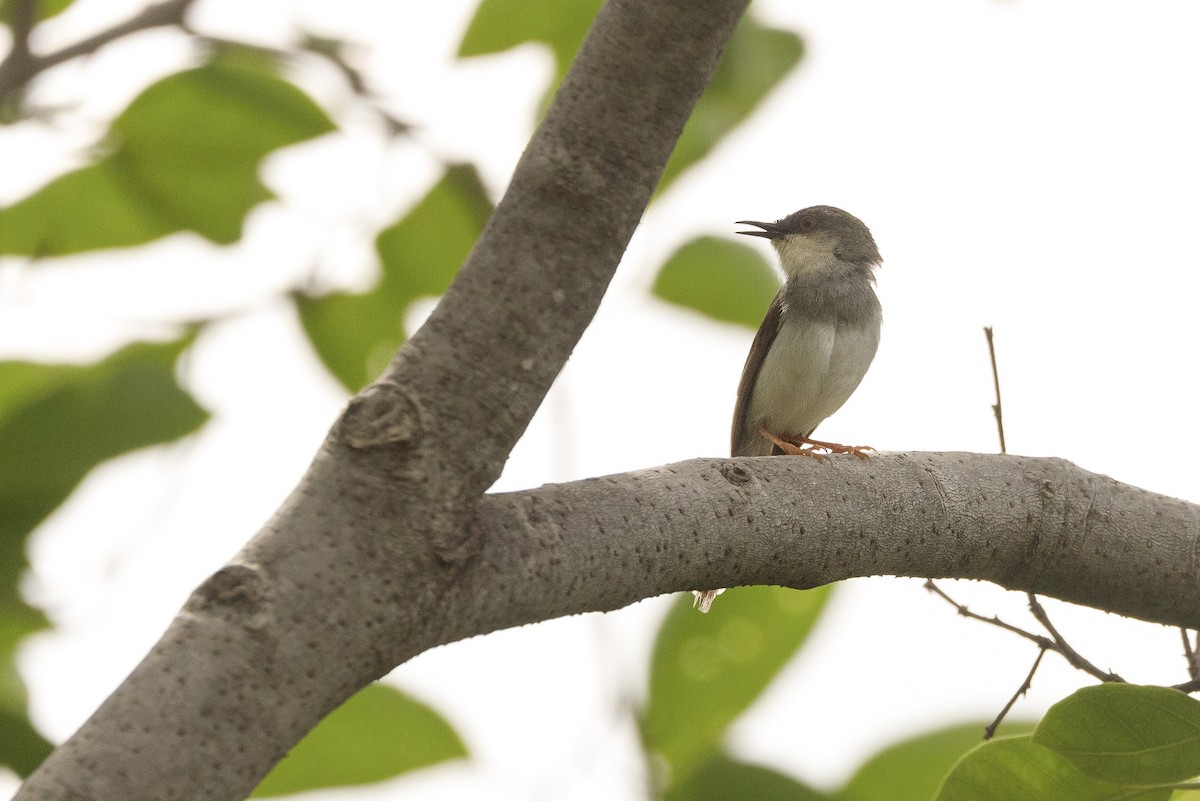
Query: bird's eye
[[807, 223]]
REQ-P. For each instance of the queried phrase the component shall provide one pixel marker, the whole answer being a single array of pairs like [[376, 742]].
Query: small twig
[[1189, 653], [1054, 642], [996, 409], [990, 731], [329, 51], [21, 66], [24, 17], [1041, 642], [1187, 686], [1070, 654]]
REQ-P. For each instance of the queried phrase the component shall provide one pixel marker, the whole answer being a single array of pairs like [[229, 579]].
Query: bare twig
[[996, 409], [21, 66], [24, 17], [1042, 642], [330, 52], [1070, 654], [1190, 653], [1055, 642], [990, 731], [1187, 686]]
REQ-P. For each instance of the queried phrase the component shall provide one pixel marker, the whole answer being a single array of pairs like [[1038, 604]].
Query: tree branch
[[24, 17], [1063, 647], [387, 547], [1056, 642], [347, 579], [21, 65], [1190, 655], [997, 410], [1033, 524], [989, 731], [1043, 643]]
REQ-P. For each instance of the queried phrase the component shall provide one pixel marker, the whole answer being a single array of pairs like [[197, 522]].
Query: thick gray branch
[[348, 577], [501, 334], [387, 547], [1033, 524]]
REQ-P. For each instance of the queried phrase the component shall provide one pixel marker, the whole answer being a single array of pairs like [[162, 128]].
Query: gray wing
[[744, 442]]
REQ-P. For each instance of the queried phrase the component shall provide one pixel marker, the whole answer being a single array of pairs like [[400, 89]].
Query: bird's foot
[[790, 448], [858, 450], [803, 446]]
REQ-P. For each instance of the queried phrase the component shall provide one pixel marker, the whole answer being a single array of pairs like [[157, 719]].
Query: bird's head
[[817, 238]]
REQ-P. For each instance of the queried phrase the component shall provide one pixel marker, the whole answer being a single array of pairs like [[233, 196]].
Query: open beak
[[769, 230]]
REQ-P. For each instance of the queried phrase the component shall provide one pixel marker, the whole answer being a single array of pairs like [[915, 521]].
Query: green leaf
[[46, 9], [722, 779], [87, 209], [356, 335], [21, 748], [1126, 734], [57, 422], [755, 62], [376, 735], [1017, 769], [913, 770], [725, 280], [183, 156], [71, 418], [707, 669], [502, 24]]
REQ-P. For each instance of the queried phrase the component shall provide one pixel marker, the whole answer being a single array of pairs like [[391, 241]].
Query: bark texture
[[1033, 524], [347, 580]]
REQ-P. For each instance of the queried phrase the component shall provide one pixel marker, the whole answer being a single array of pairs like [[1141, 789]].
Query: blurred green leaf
[[46, 9], [1017, 769], [722, 779], [376, 735], [71, 418], [1126, 734], [707, 669], [356, 335], [183, 156], [502, 24], [754, 63], [21, 748], [57, 422], [725, 280], [90, 208], [912, 770]]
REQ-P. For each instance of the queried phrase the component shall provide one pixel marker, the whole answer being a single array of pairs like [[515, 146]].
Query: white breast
[[812, 368]]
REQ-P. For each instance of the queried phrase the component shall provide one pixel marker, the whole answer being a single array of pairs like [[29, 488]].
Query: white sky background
[[1027, 165]]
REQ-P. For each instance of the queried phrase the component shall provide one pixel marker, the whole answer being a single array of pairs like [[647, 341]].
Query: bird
[[816, 342]]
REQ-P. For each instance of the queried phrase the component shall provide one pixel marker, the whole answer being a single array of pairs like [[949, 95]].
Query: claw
[[803, 446]]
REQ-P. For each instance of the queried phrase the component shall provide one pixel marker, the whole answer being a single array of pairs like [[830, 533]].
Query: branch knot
[[381, 414]]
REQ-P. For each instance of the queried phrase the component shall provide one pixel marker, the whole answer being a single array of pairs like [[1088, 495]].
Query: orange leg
[[795, 446], [789, 448]]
